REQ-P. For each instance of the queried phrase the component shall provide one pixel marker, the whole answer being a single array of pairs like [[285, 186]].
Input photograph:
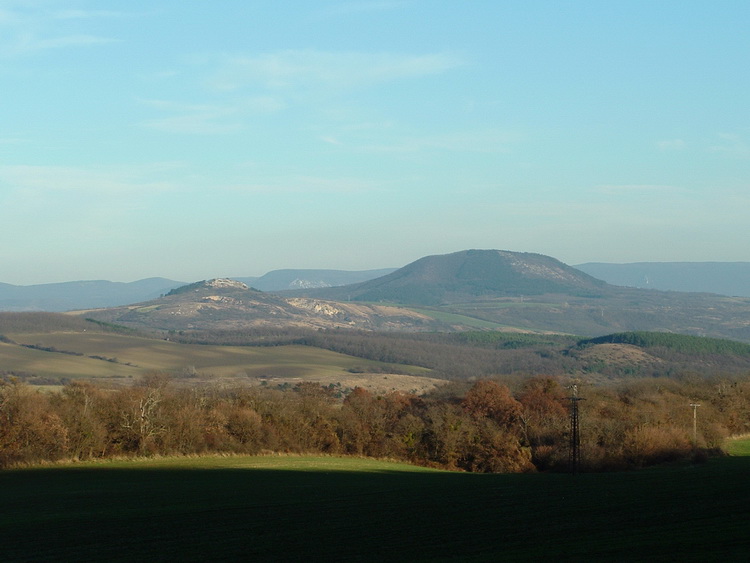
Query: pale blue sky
[[192, 140]]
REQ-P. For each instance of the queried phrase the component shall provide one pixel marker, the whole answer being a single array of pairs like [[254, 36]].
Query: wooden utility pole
[[695, 423]]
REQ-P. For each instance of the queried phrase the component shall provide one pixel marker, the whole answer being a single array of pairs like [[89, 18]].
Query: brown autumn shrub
[[645, 445], [214, 429], [447, 435], [245, 426], [490, 399], [714, 435], [29, 430], [184, 429], [362, 424], [407, 436], [78, 406], [544, 413], [492, 449], [481, 427]]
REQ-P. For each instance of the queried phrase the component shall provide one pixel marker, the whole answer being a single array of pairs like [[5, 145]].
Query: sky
[[195, 139]]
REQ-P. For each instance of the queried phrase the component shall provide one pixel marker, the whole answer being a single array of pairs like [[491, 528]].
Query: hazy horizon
[[196, 140], [260, 275]]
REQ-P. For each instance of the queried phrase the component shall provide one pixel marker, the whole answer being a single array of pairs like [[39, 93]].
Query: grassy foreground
[[338, 509]]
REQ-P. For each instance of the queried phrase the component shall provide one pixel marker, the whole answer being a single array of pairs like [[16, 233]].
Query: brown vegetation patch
[[619, 355], [378, 383]]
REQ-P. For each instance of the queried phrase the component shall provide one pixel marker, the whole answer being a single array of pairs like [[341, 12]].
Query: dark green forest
[[685, 344]]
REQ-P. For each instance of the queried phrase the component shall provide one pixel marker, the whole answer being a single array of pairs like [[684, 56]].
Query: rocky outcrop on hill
[[229, 304]]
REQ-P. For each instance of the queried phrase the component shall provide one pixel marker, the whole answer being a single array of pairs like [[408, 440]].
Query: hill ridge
[[81, 294], [466, 275]]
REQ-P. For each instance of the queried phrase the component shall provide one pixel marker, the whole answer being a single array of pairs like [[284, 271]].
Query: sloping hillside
[[229, 304], [469, 275]]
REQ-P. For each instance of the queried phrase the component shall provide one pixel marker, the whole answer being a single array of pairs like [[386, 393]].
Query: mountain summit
[[469, 275], [216, 283]]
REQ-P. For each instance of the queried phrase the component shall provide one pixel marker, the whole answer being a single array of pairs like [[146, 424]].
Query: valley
[[54, 358], [461, 361]]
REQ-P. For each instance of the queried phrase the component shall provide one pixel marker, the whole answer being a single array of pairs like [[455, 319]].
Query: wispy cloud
[[268, 83], [29, 43], [330, 140], [641, 189], [365, 6], [671, 145], [305, 184], [8, 17], [197, 119], [464, 141], [13, 141], [89, 180], [732, 145], [295, 69], [207, 119], [86, 14], [31, 29]]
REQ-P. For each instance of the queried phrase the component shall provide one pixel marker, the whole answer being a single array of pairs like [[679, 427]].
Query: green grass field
[[739, 446], [343, 509]]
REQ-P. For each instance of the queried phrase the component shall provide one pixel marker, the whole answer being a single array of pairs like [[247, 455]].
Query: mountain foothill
[[466, 290]]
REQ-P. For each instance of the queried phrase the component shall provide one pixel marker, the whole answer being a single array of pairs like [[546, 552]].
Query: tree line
[[477, 354], [488, 425], [680, 343]]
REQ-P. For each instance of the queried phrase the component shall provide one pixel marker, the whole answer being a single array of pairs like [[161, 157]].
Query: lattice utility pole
[[695, 423], [575, 437]]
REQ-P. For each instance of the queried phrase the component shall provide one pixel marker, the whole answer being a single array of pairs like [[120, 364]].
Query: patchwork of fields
[[118, 358]]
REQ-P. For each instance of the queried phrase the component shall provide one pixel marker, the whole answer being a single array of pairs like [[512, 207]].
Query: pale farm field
[[131, 357]]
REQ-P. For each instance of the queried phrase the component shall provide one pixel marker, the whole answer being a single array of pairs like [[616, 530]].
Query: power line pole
[[575, 437], [695, 423]]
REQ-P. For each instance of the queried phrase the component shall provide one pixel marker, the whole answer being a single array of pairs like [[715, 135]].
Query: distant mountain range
[[76, 295], [472, 289], [724, 278], [278, 280], [67, 296], [450, 279], [466, 276]]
